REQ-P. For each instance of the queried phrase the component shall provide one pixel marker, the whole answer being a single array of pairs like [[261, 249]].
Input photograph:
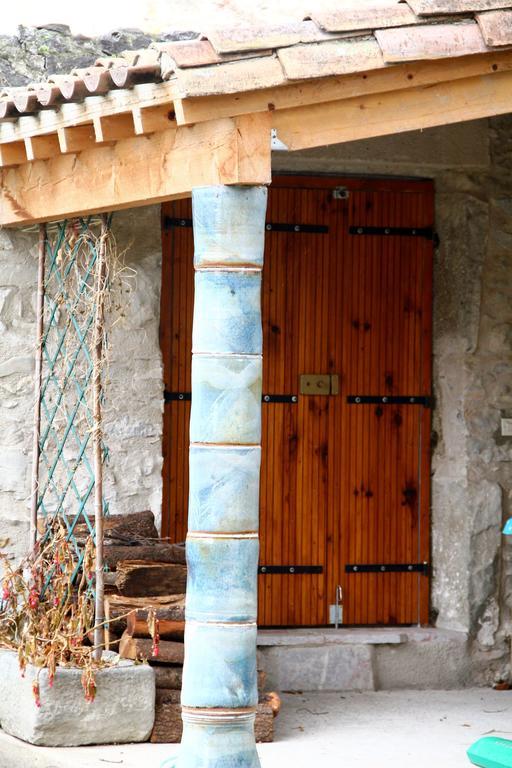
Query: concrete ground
[[391, 729]]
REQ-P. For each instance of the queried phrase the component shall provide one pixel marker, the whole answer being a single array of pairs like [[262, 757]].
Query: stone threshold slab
[[331, 636]]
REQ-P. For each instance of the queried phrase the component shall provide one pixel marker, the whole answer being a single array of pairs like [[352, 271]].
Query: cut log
[[167, 676], [160, 551], [168, 630], [273, 700], [264, 725], [167, 609], [138, 648], [139, 579], [168, 726], [123, 529]]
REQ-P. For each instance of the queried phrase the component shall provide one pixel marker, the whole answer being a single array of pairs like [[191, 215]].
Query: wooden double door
[[345, 483]]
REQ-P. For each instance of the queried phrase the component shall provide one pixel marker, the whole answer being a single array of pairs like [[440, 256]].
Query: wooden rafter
[[394, 112], [138, 171], [322, 90]]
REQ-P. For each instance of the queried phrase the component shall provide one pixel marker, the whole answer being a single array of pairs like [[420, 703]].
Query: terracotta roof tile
[[496, 27], [235, 39], [200, 53], [333, 40], [354, 19], [436, 7], [336, 57], [232, 77], [434, 41]]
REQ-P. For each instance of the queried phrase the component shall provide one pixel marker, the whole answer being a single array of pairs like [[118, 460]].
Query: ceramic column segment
[[219, 694]]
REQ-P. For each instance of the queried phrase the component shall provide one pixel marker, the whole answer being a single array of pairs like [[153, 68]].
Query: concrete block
[[344, 667], [123, 710]]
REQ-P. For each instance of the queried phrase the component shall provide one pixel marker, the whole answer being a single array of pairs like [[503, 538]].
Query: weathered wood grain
[[140, 649], [137, 578], [167, 676], [161, 552]]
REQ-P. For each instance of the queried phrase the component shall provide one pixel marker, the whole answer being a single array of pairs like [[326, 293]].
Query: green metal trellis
[[68, 446]]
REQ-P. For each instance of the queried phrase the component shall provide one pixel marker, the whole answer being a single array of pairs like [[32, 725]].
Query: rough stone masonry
[[472, 463]]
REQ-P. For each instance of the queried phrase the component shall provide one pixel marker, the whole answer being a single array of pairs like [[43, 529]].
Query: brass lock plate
[[315, 384]]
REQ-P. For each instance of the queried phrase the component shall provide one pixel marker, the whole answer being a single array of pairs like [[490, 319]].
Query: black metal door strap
[[271, 226], [169, 397], [389, 400], [270, 569], [389, 568], [426, 232]]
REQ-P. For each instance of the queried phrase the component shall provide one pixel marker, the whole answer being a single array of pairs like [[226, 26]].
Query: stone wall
[[133, 416]]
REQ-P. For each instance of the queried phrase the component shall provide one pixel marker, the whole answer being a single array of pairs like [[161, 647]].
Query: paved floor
[[398, 729]]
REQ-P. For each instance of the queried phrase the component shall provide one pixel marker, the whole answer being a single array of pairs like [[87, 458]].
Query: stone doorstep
[[363, 659], [328, 636]]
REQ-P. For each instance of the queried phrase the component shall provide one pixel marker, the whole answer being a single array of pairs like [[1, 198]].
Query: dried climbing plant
[[49, 610]]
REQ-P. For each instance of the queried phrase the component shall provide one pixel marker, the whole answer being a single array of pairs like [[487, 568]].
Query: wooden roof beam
[[14, 153], [138, 171], [151, 119], [394, 112], [42, 147], [76, 139], [394, 78], [114, 127]]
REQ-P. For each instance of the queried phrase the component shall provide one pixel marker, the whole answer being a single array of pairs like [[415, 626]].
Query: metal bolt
[[359, 230], [268, 226], [384, 399], [182, 223], [358, 399], [386, 231], [383, 567], [292, 569], [266, 398], [296, 228], [355, 567], [263, 569]]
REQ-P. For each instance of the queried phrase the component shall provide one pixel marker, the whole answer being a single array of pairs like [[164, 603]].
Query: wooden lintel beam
[[77, 138], [114, 127], [138, 171], [394, 112], [334, 88], [14, 153], [42, 147], [151, 119]]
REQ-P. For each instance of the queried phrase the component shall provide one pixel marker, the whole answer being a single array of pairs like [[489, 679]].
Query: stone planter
[[123, 710]]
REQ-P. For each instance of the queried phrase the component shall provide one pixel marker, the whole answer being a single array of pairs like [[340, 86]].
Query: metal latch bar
[[293, 569], [426, 232], [423, 568], [270, 226], [170, 397], [390, 400]]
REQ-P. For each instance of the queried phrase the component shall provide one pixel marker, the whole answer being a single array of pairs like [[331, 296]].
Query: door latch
[[319, 384]]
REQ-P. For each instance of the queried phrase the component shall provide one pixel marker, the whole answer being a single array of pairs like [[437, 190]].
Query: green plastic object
[[491, 752]]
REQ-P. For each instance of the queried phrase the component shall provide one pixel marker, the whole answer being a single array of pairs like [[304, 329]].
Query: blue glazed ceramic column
[[219, 695]]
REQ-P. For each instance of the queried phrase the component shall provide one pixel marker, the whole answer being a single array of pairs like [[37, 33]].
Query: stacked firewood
[[147, 581]]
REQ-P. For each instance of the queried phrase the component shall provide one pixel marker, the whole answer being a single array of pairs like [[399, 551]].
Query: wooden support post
[[219, 694], [97, 435], [34, 486]]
